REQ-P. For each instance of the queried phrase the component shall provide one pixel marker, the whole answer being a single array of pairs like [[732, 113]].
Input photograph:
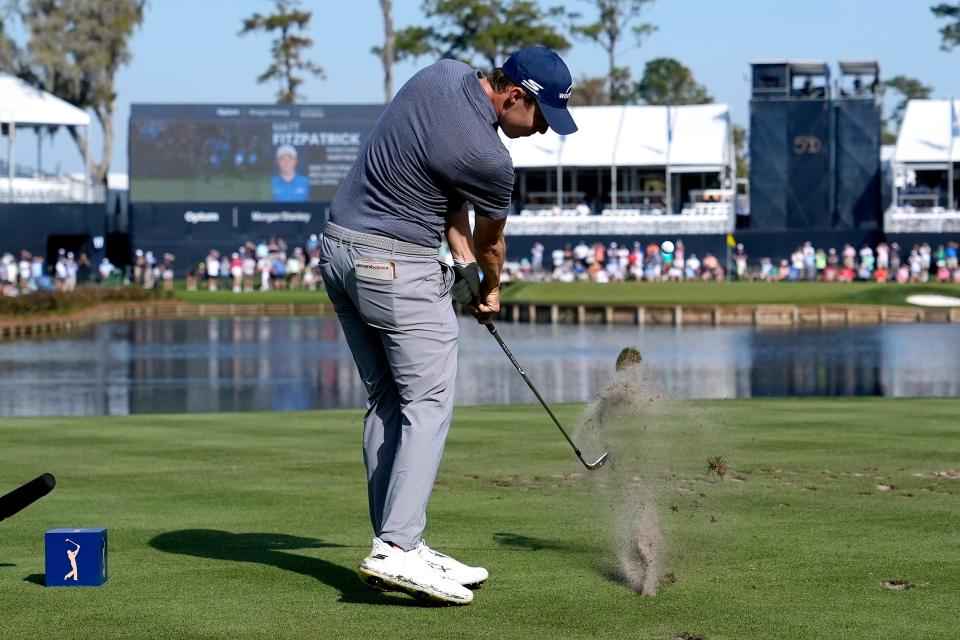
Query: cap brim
[[558, 118]]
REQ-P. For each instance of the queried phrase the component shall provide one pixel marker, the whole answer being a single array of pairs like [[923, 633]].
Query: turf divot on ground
[[252, 526]]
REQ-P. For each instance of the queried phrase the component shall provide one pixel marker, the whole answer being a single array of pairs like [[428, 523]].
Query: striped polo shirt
[[435, 147]]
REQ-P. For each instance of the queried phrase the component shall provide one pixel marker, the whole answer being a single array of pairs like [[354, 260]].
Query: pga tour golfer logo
[[76, 557], [72, 558]]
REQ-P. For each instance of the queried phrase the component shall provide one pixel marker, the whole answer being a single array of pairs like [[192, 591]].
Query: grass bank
[[225, 296], [586, 293], [251, 525], [719, 293], [634, 293], [60, 303]]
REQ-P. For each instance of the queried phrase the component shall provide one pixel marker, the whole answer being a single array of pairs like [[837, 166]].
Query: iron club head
[[599, 463], [602, 459]]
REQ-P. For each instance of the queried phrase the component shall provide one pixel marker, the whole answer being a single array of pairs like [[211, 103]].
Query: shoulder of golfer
[[435, 147], [480, 170], [470, 157]]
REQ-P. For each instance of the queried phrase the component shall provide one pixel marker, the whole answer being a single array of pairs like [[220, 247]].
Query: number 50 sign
[[806, 144]]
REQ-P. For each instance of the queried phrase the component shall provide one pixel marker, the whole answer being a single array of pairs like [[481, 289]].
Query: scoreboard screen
[[244, 153]]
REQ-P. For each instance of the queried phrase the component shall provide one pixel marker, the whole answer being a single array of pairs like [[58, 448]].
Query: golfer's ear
[[516, 94]]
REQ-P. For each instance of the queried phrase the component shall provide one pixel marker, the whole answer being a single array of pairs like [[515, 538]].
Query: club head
[[599, 463]]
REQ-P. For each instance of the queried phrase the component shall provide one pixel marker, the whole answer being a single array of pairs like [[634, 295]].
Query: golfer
[[434, 151], [287, 185], [72, 556]]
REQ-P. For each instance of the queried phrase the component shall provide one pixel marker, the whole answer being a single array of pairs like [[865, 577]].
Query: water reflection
[[245, 364]]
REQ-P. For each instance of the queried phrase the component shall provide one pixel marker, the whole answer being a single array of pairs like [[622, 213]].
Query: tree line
[[73, 49], [484, 32]]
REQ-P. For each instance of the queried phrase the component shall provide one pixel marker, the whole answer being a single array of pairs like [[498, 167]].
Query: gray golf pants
[[403, 333]]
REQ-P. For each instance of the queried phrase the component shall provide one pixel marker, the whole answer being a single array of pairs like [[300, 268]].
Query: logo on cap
[[542, 74], [533, 86]]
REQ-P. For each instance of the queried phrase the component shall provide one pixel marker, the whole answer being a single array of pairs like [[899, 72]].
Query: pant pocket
[[376, 301], [446, 280]]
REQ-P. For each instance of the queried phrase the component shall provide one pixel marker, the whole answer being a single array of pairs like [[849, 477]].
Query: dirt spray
[[640, 426]]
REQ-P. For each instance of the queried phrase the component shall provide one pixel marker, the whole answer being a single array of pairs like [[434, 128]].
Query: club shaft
[[493, 331]]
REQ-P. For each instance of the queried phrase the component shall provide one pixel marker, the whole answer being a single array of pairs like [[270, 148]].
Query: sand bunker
[[933, 300]]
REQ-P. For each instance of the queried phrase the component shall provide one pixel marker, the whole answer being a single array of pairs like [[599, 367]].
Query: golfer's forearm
[[490, 261], [459, 236], [490, 250]]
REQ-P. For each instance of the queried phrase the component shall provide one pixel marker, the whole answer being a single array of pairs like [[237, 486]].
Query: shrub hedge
[[62, 302]]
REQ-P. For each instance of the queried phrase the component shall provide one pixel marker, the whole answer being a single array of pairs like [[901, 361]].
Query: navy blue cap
[[544, 75]]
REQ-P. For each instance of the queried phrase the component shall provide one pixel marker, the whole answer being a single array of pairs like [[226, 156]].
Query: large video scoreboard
[[219, 176], [244, 153]]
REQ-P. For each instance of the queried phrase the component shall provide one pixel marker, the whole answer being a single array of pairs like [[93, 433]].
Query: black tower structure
[[858, 117], [814, 158], [790, 146]]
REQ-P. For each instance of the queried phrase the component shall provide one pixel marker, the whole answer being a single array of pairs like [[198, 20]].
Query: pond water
[[294, 363]]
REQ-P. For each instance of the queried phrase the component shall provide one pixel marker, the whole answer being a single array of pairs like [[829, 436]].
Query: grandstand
[[23, 107], [628, 170], [43, 212], [924, 170], [32, 188], [631, 173]]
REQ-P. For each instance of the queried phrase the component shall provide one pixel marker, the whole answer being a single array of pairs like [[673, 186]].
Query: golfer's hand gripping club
[[466, 283], [589, 465]]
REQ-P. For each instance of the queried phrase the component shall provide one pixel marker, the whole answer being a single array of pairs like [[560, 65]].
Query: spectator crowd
[[29, 273], [264, 266], [614, 262], [271, 265]]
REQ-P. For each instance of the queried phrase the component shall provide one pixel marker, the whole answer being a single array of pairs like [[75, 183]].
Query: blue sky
[[189, 51]]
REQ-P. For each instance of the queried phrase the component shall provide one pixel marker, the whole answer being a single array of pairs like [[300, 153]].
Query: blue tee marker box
[[76, 557]]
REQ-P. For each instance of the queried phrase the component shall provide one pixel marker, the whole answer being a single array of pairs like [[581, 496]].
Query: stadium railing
[[907, 219], [49, 190]]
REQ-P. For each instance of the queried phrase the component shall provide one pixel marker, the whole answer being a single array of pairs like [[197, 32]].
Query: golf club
[[26, 495], [591, 466]]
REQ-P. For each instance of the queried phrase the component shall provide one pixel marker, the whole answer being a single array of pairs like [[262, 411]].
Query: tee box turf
[[76, 557]]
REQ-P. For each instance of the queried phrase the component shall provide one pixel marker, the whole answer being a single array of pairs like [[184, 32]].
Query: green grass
[[633, 293], [250, 187], [251, 525], [717, 293], [224, 295]]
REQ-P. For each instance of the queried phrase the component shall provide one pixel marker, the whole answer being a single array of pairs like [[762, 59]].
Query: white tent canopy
[[25, 105], [22, 105], [634, 136], [924, 136]]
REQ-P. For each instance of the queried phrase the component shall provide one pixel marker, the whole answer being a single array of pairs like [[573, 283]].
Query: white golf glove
[[466, 283]]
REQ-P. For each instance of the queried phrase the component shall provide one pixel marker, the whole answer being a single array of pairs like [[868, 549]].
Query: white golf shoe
[[391, 569], [471, 577]]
